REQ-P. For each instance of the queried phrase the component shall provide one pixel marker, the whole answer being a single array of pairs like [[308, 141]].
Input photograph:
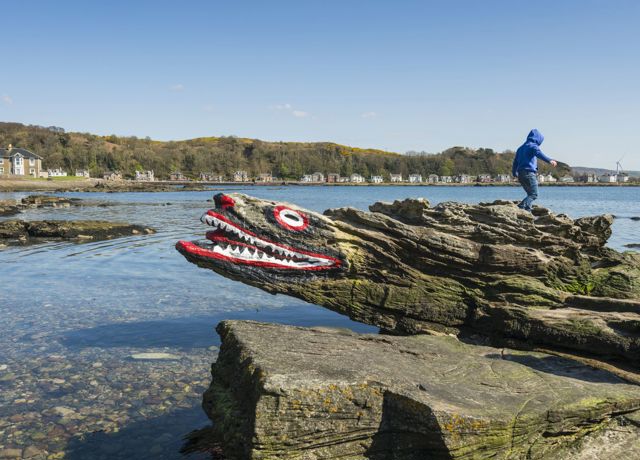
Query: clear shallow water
[[73, 314]]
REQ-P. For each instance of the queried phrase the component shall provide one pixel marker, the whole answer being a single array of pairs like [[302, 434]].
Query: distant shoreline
[[101, 185]]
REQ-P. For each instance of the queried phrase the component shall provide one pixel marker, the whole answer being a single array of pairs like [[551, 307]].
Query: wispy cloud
[[176, 88], [288, 108], [369, 115], [7, 100]]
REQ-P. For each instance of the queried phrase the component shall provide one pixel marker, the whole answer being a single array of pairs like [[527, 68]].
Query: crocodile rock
[[492, 270]]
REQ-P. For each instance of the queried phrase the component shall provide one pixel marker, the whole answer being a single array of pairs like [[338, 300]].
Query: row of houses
[[22, 162]]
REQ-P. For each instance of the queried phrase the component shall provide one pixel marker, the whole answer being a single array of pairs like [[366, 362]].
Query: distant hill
[[579, 170], [224, 155]]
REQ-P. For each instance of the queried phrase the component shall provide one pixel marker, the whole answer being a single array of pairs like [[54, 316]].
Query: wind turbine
[[619, 165]]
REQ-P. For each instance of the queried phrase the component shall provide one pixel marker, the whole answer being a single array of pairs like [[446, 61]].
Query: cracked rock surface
[[291, 392]]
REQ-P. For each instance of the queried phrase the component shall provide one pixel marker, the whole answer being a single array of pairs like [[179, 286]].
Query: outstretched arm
[[540, 154]]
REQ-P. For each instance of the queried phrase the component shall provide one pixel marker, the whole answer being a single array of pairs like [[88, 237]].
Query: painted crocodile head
[[408, 267], [255, 240]]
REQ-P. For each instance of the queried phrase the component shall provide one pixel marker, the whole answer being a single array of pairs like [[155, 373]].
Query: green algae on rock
[[409, 267], [291, 392]]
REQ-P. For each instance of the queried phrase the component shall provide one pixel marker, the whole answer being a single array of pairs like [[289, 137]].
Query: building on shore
[[57, 172], [415, 178], [83, 173], [356, 178], [177, 176], [146, 176], [265, 177], [112, 176], [317, 177], [484, 178], [306, 178], [433, 179], [463, 179], [19, 162], [622, 177], [395, 178], [504, 178], [590, 178], [333, 178], [546, 178], [567, 179], [608, 178], [240, 176], [211, 177], [376, 179], [446, 179]]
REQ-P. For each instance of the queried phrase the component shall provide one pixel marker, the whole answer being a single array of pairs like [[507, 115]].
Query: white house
[[623, 177], [463, 179], [446, 179], [240, 176], [608, 178], [356, 178], [504, 178], [433, 179], [567, 179], [146, 176], [415, 178], [58, 172], [306, 178], [83, 173], [317, 177], [377, 179], [396, 177]]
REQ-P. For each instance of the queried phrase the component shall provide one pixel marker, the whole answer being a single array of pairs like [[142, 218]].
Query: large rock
[[538, 279], [21, 232], [290, 392]]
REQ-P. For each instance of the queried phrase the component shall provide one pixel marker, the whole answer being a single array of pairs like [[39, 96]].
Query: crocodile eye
[[290, 218]]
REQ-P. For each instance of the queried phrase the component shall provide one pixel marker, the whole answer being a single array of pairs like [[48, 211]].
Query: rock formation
[[24, 232], [288, 392], [487, 274], [408, 268]]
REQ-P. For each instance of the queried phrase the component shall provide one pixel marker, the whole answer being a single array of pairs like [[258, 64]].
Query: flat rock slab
[[291, 392], [24, 232]]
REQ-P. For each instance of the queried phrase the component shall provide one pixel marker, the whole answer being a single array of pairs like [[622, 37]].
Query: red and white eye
[[290, 218]]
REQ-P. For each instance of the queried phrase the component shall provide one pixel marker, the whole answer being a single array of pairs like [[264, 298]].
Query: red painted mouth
[[237, 245]]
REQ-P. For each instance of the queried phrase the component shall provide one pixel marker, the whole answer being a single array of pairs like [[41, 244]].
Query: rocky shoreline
[[291, 392], [467, 297], [17, 232]]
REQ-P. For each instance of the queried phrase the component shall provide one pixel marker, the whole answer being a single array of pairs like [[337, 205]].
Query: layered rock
[[12, 207], [290, 392], [22, 232], [528, 280]]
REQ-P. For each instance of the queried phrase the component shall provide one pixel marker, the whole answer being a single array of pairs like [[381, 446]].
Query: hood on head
[[535, 136]]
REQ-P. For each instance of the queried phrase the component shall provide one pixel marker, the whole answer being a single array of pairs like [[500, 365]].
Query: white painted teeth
[[256, 254]]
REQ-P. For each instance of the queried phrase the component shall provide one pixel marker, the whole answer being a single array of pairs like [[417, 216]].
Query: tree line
[[224, 155]]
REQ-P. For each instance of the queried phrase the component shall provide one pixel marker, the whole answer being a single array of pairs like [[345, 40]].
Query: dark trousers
[[529, 182]]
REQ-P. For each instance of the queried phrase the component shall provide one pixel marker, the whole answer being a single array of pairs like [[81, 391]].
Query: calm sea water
[[72, 315]]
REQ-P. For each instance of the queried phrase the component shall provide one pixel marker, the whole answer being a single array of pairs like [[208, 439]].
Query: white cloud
[[288, 108], [369, 115], [176, 88], [282, 107], [7, 100]]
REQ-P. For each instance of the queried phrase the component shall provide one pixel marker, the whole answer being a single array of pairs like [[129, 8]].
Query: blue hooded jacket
[[528, 153]]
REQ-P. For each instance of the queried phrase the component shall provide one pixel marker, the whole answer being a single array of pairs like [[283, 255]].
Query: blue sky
[[401, 75]]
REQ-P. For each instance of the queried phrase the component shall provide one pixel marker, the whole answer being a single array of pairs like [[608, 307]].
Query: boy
[[525, 166]]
